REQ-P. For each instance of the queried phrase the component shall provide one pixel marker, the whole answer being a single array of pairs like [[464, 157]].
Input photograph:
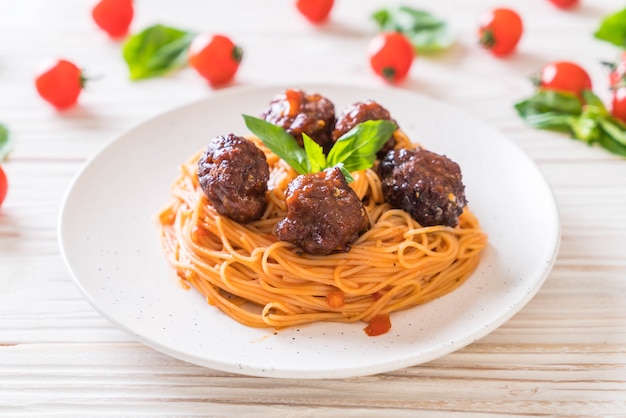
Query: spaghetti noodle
[[243, 269]]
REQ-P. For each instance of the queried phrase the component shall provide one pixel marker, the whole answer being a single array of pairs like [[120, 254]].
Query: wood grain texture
[[563, 354]]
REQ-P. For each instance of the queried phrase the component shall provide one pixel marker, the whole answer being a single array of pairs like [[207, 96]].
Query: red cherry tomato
[[618, 109], [60, 82], [215, 57], [617, 77], [316, 11], [391, 56], [564, 76], [500, 30], [4, 185], [564, 4], [113, 16]]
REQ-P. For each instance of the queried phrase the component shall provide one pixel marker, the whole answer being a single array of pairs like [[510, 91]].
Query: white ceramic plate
[[110, 242]]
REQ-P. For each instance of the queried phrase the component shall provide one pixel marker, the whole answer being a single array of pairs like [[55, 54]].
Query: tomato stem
[[237, 54], [389, 73], [487, 39]]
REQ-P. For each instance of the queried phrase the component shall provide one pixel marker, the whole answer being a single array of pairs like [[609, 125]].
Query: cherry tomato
[[60, 82], [4, 185], [617, 77], [113, 16], [564, 76], [500, 30], [564, 4], [316, 11], [618, 109], [391, 55], [215, 57]]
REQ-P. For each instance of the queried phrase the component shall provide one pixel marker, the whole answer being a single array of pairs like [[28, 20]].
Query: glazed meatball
[[233, 174], [426, 185], [298, 113], [324, 214], [361, 112]]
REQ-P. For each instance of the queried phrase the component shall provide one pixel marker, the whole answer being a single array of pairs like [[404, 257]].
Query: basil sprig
[[589, 121], [613, 29], [355, 150], [156, 50], [6, 142], [426, 32]]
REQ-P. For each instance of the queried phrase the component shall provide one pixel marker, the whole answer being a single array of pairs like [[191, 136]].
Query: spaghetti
[[243, 269]]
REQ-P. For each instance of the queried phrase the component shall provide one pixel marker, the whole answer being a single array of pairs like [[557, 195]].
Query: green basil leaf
[[315, 154], [156, 50], [354, 151], [345, 173], [610, 144], [6, 142], [556, 101], [549, 109], [614, 129], [613, 29], [426, 32], [586, 128], [357, 148], [592, 100], [543, 120], [279, 142]]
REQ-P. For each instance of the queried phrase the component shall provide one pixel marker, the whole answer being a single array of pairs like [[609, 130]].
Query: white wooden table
[[564, 354]]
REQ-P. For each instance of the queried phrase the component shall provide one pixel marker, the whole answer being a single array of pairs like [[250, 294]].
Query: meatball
[[298, 113], [324, 214], [233, 174], [361, 112], [427, 185]]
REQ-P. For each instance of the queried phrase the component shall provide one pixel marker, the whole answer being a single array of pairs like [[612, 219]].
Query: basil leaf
[[614, 129], [536, 118], [590, 123], [354, 151], [426, 32], [608, 143], [613, 29], [556, 101], [6, 142], [357, 148], [549, 109], [586, 128], [591, 100], [345, 173], [279, 142], [156, 50], [315, 154]]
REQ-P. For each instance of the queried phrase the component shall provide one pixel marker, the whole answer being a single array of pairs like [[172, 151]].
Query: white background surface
[[563, 354]]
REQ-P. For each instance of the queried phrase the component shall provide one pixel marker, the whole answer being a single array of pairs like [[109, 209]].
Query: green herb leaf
[[357, 148], [591, 123], [426, 32], [345, 173], [613, 29], [6, 142], [608, 142], [315, 154], [586, 128], [279, 142], [156, 50], [354, 151], [591, 100], [549, 109], [614, 129]]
